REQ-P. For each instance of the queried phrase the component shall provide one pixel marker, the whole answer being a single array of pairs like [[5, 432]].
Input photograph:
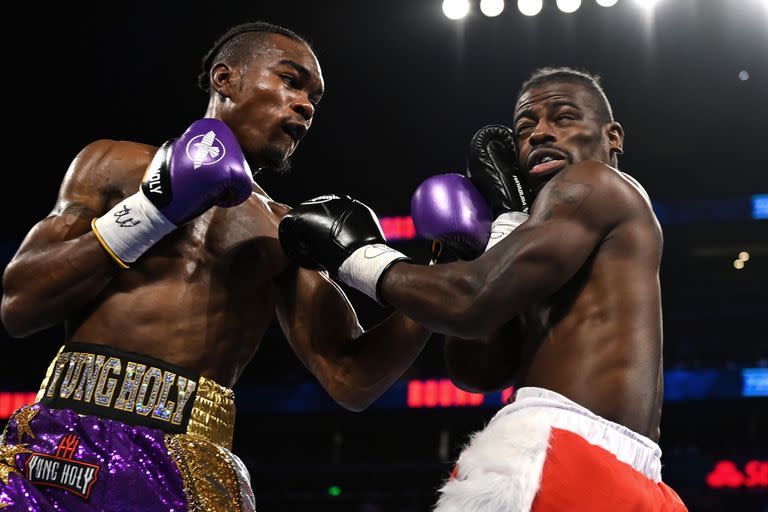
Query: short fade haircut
[[237, 44], [565, 74]]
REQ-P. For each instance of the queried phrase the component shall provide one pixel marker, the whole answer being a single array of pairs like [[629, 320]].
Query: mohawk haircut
[[237, 44], [565, 74]]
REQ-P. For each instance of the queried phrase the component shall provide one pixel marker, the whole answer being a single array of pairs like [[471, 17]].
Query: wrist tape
[[503, 225], [130, 228], [363, 269]]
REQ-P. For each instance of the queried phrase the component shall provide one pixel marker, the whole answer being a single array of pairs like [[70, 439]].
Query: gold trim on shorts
[[210, 479]]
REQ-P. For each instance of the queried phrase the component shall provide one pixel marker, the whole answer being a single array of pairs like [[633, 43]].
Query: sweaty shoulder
[[597, 193], [102, 170], [112, 159], [108, 165]]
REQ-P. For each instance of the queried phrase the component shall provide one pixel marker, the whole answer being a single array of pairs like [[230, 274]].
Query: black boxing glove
[[341, 235], [493, 168]]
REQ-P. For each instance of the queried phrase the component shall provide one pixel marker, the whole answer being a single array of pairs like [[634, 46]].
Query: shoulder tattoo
[[565, 198]]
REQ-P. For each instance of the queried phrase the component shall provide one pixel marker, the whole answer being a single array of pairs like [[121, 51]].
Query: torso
[[598, 340], [202, 297]]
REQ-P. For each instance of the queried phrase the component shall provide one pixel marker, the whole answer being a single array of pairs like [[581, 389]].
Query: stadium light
[[455, 9], [568, 6], [607, 3], [491, 8], [530, 7]]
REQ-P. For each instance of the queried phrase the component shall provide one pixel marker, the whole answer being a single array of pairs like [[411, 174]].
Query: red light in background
[[10, 401], [727, 474], [398, 228], [447, 393], [430, 393], [440, 393], [757, 473], [415, 393]]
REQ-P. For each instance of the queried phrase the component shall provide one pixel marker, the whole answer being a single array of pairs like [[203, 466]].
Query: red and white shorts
[[544, 452]]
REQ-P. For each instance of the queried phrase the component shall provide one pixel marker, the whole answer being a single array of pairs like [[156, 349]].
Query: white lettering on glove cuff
[[503, 225], [131, 227], [364, 267]]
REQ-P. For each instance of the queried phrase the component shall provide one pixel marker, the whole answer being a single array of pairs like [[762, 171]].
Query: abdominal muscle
[[202, 298]]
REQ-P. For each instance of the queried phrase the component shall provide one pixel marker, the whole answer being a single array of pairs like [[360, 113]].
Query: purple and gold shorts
[[113, 430]]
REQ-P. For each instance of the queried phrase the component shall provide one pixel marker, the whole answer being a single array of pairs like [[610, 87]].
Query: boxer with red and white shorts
[[558, 289], [544, 452]]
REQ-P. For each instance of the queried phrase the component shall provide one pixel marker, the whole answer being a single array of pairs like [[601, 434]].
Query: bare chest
[[222, 243]]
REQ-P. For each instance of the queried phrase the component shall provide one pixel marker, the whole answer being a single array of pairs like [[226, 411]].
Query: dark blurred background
[[406, 89]]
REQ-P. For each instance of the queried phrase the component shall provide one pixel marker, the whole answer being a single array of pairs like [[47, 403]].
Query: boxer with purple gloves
[[165, 268]]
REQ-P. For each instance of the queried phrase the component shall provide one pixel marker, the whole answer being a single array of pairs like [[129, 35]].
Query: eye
[[524, 129], [568, 117], [289, 79]]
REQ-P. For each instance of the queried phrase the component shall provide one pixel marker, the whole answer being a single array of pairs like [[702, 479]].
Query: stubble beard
[[277, 163]]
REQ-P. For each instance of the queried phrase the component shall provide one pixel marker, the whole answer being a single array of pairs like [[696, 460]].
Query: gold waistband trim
[[213, 413]]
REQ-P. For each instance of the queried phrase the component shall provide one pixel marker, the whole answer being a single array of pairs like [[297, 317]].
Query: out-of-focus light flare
[[530, 7], [744, 256], [743, 75], [491, 8], [455, 9], [568, 5], [607, 3], [738, 264]]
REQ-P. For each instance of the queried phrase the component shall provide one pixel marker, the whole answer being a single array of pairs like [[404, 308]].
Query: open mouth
[[546, 160], [295, 131]]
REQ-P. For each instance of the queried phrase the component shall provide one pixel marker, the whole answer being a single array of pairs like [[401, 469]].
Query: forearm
[[374, 361], [353, 365], [42, 287], [440, 297], [472, 299]]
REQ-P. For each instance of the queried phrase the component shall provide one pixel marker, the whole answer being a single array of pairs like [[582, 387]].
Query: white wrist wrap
[[504, 225], [363, 268], [131, 227]]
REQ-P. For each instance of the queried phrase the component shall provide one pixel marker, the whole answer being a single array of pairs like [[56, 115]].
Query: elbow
[[355, 405], [353, 393], [354, 401], [16, 323]]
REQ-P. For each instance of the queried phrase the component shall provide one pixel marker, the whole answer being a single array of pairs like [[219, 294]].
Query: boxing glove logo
[[322, 199], [205, 149]]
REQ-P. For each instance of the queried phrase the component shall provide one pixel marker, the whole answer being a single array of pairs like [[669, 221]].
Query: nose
[[541, 134], [303, 107]]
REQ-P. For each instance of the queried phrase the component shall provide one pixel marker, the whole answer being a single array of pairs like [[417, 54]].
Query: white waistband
[[629, 447]]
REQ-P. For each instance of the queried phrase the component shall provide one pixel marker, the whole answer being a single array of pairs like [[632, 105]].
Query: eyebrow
[[528, 112], [304, 72]]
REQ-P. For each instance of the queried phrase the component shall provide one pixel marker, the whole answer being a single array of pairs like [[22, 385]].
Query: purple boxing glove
[[202, 168], [449, 208], [188, 175]]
